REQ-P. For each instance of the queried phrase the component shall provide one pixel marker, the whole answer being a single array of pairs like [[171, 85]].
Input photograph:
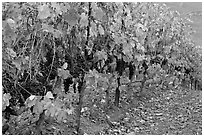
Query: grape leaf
[[141, 28], [49, 28], [102, 83], [31, 101], [49, 95], [38, 108], [93, 30], [140, 57], [140, 47], [71, 17], [32, 97], [57, 7], [46, 102], [5, 101], [101, 30], [90, 81], [17, 63], [127, 49], [58, 103], [8, 31], [11, 52], [57, 33], [69, 111], [101, 55], [44, 11], [84, 20], [98, 14], [63, 73], [128, 58], [57, 90], [52, 110], [91, 78], [62, 115], [11, 23]]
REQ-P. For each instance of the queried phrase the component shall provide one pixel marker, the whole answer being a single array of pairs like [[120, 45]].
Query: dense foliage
[[62, 60]]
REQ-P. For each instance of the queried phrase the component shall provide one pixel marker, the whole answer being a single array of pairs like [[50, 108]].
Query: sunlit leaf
[[101, 30], [84, 20], [57, 7], [65, 65], [140, 57], [93, 29], [11, 23], [127, 49], [5, 100], [32, 97], [49, 95], [32, 100], [84, 109], [44, 11], [69, 111], [17, 63], [141, 27], [11, 52], [140, 47]]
